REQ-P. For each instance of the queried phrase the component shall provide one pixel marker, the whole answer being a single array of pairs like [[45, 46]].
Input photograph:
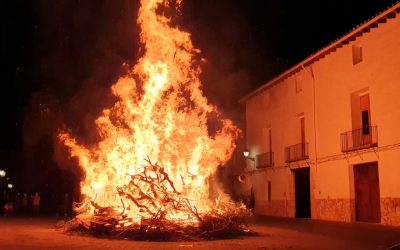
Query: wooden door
[[367, 196]]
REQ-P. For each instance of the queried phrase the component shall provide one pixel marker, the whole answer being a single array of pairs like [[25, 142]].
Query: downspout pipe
[[311, 71]]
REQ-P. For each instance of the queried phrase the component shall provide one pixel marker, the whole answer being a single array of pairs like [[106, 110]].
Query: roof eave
[[352, 35]]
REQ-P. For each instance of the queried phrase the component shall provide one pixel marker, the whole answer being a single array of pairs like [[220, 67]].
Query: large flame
[[161, 114]]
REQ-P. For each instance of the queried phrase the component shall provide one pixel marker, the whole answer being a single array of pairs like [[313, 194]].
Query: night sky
[[59, 58]]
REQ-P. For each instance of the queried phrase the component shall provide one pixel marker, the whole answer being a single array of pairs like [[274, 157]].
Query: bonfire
[[151, 172]]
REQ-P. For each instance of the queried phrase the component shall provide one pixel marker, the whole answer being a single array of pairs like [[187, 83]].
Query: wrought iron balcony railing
[[296, 152], [362, 138], [265, 160]]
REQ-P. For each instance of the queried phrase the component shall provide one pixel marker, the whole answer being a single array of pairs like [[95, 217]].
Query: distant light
[[2, 173], [10, 185]]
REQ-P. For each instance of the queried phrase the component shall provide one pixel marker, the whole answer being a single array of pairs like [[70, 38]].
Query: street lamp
[[10, 186], [246, 154], [2, 173]]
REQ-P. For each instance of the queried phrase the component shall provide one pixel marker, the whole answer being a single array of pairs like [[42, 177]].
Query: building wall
[[337, 78], [279, 109], [326, 104]]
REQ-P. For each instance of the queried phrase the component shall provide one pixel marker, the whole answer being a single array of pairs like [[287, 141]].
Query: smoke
[[80, 50], [235, 62], [83, 45]]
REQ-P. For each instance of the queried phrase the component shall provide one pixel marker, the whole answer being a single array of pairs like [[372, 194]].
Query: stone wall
[[284, 208], [390, 211], [333, 209]]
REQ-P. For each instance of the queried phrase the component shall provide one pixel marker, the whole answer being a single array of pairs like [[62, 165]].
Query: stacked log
[[154, 194]]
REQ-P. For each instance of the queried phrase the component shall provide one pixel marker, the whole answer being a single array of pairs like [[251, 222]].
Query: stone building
[[323, 137]]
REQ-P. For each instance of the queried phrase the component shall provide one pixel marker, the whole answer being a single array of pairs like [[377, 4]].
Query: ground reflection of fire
[[161, 115]]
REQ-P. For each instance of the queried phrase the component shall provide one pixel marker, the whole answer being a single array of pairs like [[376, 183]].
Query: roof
[[332, 47]]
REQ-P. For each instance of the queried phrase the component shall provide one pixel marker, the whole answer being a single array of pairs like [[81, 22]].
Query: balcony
[[265, 160], [296, 152], [362, 138]]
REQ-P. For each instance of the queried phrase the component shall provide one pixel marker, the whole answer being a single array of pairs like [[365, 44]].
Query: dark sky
[[58, 58]]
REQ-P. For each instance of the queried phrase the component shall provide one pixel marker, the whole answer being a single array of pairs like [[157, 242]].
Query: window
[[359, 103], [299, 87], [302, 130], [265, 158], [365, 117], [357, 54], [365, 122], [266, 140], [269, 191], [363, 134], [303, 137]]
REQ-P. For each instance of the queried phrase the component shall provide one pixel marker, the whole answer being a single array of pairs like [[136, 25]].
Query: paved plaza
[[274, 233]]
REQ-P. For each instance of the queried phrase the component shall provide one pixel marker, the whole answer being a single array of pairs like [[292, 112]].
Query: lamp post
[[246, 154], [2, 173]]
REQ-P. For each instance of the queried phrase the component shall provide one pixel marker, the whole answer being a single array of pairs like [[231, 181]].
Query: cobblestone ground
[[40, 233]]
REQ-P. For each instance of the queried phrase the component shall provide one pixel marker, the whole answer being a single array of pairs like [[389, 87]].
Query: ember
[[162, 115]]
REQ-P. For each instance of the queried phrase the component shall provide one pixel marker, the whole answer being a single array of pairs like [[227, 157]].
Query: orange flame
[[161, 113]]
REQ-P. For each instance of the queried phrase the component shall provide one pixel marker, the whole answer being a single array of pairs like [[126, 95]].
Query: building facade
[[323, 137]]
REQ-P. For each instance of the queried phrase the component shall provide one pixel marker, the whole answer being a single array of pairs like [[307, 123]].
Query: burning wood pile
[[159, 203], [160, 112]]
